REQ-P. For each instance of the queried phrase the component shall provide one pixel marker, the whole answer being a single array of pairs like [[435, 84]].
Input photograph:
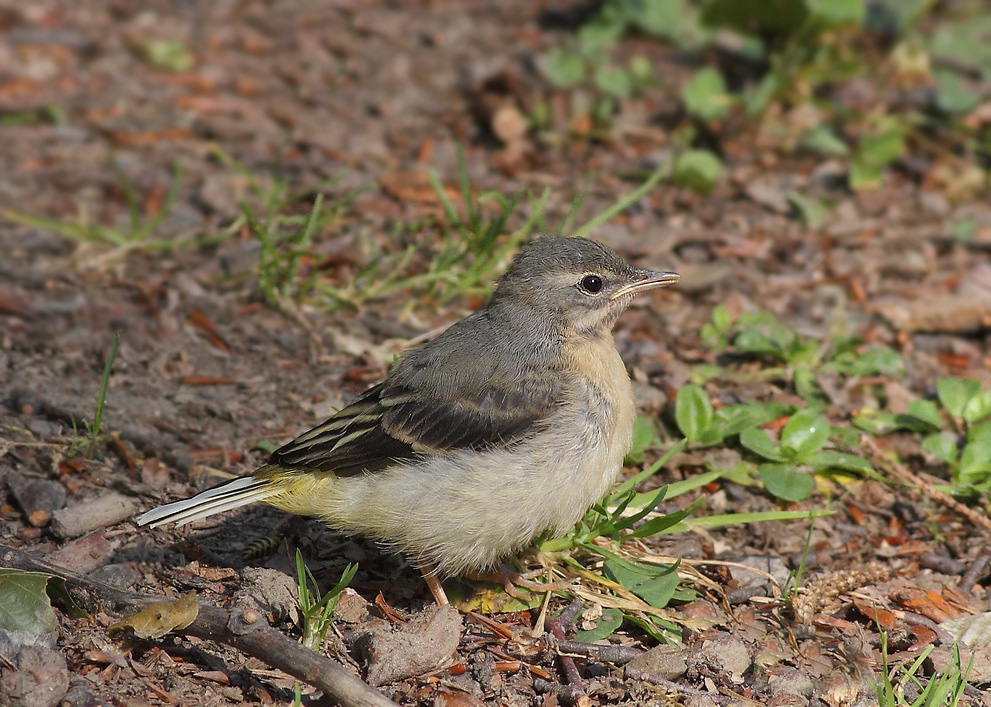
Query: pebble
[[428, 642], [38, 498], [726, 654], [790, 681]]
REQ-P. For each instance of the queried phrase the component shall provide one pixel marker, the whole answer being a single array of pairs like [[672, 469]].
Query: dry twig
[[244, 630]]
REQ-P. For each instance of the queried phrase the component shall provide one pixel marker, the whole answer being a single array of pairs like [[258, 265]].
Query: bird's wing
[[400, 419]]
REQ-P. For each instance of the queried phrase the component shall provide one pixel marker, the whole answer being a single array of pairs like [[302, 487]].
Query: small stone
[[122, 576], [666, 662], [700, 701], [79, 696], [764, 564], [790, 681], [726, 654], [428, 642], [268, 592], [352, 608], [40, 678], [839, 690], [85, 554], [34, 495]]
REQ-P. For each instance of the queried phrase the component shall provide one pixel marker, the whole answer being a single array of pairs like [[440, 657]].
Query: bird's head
[[579, 285]]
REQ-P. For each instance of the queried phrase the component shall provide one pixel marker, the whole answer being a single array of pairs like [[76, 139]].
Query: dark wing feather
[[351, 442], [416, 411]]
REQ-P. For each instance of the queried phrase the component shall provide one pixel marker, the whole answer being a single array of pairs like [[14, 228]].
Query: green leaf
[[942, 445], [644, 436], [654, 584], [830, 14], [613, 81], [705, 96], [829, 459], [721, 318], [881, 422], [955, 392], [759, 17], [764, 333], [24, 603], [168, 54], [693, 411], [641, 70], [877, 422], [665, 19], [757, 441], [877, 361], [610, 620], [953, 96], [759, 97], [603, 30], [977, 408], [807, 386], [786, 482], [895, 17], [975, 459], [656, 526], [733, 419], [927, 412], [805, 433], [725, 519], [698, 170], [966, 41], [564, 68], [812, 211], [874, 154], [823, 139]]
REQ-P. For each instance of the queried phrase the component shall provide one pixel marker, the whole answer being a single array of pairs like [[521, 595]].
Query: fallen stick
[[246, 631]]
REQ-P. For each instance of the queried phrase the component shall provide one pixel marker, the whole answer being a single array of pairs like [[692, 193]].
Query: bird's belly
[[464, 509]]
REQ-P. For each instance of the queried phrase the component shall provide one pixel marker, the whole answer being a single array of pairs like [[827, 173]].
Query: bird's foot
[[512, 580]]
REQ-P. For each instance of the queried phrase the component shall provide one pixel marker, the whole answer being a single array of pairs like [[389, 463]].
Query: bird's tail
[[235, 493]]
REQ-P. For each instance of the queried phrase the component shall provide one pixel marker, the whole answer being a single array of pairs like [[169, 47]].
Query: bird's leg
[[429, 572]]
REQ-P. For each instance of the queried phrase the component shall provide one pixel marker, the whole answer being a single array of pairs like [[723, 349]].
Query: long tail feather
[[232, 494]]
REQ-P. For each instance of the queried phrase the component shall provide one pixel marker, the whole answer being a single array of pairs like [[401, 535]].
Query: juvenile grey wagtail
[[511, 422]]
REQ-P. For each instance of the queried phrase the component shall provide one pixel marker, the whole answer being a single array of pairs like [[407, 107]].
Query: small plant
[[468, 260], [938, 690], [140, 228], [624, 515], [704, 426], [764, 335], [802, 443], [956, 431], [318, 609], [85, 444]]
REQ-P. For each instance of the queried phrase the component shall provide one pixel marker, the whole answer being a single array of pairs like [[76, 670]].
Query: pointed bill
[[646, 280]]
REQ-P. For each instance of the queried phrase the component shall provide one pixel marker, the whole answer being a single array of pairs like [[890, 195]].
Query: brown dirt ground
[[370, 94]]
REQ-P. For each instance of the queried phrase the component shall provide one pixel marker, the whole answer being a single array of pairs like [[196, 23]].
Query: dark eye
[[592, 284]]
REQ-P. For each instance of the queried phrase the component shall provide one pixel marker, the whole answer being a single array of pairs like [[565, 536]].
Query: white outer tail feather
[[225, 497]]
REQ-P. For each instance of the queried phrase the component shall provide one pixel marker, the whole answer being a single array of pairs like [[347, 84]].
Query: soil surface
[[356, 101]]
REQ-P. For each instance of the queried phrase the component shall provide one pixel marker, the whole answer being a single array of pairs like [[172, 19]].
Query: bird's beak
[[646, 280]]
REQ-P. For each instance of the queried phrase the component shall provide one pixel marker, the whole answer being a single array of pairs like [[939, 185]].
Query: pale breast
[[464, 509]]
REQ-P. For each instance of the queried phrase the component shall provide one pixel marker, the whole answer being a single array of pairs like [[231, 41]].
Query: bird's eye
[[591, 284]]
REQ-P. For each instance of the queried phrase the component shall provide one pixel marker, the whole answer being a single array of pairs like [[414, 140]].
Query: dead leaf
[[160, 619], [201, 321], [926, 602], [414, 186]]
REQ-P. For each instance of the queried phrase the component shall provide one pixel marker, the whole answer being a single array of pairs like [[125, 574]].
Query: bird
[[510, 423]]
